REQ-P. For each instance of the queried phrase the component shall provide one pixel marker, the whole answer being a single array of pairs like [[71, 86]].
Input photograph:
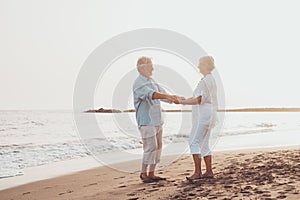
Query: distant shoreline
[[102, 110], [262, 110]]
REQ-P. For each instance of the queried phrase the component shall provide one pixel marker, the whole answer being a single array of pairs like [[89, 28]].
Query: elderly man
[[147, 95]]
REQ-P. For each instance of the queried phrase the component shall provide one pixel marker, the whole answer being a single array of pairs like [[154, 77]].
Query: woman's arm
[[191, 101]]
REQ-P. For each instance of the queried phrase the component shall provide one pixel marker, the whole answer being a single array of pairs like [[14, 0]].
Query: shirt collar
[[144, 78], [206, 76]]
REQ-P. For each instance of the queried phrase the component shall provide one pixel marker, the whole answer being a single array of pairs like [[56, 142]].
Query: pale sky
[[44, 44]]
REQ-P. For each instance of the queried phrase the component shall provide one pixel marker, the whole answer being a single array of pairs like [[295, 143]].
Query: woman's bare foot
[[145, 178], [156, 178]]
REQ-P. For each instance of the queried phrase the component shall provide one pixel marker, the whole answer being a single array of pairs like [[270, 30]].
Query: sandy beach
[[243, 174]]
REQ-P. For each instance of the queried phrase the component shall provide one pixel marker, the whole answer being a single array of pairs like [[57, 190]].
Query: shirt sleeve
[[144, 92], [199, 91], [163, 91]]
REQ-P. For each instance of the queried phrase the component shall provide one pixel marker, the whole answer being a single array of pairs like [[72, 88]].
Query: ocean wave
[[10, 128], [267, 125], [7, 173], [16, 145], [31, 138], [16, 157], [35, 123], [100, 145], [245, 132]]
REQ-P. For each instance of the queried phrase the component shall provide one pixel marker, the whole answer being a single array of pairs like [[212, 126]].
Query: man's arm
[[158, 95], [189, 101]]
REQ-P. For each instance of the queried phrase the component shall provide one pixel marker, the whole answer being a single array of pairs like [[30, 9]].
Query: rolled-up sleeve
[[148, 110], [143, 92]]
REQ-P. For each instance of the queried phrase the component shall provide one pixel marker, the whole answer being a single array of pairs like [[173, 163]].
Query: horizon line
[[68, 109]]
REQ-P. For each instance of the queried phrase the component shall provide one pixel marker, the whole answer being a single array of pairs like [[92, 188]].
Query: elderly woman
[[204, 110]]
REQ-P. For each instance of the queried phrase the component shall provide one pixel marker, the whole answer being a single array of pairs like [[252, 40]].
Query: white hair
[[208, 62], [142, 62]]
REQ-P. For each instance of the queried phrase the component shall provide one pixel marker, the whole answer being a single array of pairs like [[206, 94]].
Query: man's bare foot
[[194, 177], [208, 175]]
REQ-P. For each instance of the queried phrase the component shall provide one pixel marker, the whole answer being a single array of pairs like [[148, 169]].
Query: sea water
[[33, 138]]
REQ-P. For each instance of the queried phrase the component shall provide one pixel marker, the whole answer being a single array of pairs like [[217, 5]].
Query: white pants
[[204, 119], [199, 140], [152, 144]]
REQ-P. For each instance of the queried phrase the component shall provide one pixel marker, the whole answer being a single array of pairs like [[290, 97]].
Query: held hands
[[179, 99], [176, 99]]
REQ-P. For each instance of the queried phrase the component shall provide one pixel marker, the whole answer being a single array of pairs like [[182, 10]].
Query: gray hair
[[142, 62]]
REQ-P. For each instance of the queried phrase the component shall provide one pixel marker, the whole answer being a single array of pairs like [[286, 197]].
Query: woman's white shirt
[[205, 112]]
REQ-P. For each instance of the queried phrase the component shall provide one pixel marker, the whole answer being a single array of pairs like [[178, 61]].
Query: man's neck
[[148, 78]]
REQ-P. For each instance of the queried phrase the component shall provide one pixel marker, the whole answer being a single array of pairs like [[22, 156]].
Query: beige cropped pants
[[152, 144]]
